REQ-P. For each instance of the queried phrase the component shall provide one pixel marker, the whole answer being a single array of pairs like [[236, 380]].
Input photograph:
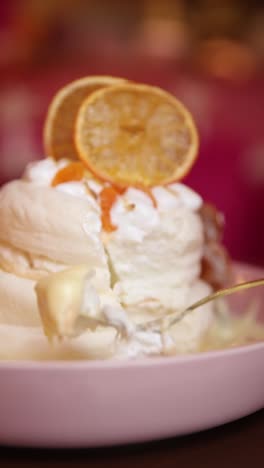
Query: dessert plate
[[100, 403]]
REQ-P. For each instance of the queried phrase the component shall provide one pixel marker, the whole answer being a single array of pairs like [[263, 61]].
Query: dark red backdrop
[[230, 116]]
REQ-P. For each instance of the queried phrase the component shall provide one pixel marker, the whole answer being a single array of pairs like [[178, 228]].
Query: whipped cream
[[42, 172]]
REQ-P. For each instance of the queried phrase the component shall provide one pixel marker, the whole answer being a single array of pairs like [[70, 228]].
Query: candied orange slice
[[73, 172], [62, 112], [136, 135]]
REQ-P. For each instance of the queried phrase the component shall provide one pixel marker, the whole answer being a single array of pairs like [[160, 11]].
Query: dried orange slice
[[139, 135], [62, 112]]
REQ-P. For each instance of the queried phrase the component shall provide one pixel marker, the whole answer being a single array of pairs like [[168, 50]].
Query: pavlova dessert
[[101, 235]]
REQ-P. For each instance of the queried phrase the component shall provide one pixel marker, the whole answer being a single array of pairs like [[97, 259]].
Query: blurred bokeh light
[[209, 53]]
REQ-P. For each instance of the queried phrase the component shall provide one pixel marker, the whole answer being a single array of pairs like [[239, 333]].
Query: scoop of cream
[[69, 304]]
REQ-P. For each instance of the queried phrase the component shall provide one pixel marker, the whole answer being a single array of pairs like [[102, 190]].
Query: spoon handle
[[216, 295]]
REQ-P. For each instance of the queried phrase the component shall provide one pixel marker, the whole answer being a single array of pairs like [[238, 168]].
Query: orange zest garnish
[[71, 173], [108, 197]]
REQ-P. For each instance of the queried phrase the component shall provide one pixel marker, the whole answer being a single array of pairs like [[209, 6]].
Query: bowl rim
[[106, 364]]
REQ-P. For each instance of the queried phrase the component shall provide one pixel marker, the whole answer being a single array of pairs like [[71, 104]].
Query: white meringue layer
[[151, 261]]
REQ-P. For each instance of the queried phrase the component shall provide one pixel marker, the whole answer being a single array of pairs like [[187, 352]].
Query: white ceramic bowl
[[88, 404]]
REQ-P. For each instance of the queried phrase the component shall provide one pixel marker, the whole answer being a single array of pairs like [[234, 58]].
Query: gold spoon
[[56, 323], [168, 320]]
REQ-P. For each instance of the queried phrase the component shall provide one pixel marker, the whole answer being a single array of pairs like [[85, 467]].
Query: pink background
[[38, 56]]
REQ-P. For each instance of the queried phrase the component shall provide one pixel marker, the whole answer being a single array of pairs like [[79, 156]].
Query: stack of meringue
[[148, 266]]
